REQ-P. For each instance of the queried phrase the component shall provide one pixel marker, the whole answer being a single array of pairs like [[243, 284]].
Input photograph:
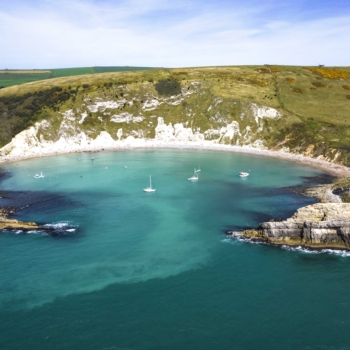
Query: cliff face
[[321, 225], [137, 117]]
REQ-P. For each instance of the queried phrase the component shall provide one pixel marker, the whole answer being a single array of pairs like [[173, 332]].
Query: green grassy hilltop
[[314, 104]]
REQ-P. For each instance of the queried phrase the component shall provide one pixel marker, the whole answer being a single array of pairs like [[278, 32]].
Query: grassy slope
[[315, 107]]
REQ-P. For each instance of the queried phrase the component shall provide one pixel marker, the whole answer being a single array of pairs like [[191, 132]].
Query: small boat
[[39, 176], [194, 177], [243, 174], [149, 189], [198, 170]]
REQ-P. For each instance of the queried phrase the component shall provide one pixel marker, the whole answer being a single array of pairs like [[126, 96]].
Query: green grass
[[65, 72], [18, 77], [9, 79], [118, 69]]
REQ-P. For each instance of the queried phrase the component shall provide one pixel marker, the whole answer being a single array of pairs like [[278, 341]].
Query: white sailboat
[[198, 170], [149, 189], [243, 174], [194, 177], [39, 176]]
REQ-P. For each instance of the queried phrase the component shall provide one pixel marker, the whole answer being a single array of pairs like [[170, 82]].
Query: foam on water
[[301, 249], [60, 225], [236, 237], [342, 253]]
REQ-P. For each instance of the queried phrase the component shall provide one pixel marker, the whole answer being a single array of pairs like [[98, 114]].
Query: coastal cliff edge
[[317, 226]]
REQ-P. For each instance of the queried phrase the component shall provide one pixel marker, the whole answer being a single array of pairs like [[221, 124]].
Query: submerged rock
[[321, 225]]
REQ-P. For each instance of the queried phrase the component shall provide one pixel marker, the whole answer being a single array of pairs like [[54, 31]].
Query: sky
[[36, 34]]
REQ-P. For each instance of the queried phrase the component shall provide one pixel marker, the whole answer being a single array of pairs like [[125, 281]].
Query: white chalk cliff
[[69, 132]]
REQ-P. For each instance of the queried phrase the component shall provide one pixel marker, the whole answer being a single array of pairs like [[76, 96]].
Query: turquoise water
[[155, 270]]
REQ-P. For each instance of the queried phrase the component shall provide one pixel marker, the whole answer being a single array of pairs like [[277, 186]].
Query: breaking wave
[[237, 237]]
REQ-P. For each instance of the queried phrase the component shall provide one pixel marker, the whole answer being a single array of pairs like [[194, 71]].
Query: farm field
[[11, 77]]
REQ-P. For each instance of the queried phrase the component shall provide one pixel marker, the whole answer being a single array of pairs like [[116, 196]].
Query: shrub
[[290, 80], [168, 87], [298, 90], [346, 87], [346, 197], [330, 73], [180, 73], [318, 84], [348, 97], [260, 83]]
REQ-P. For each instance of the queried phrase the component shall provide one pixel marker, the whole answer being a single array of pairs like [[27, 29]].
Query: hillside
[[302, 110]]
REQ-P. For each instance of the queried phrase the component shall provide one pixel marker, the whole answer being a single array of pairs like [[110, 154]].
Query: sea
[[123, 269]]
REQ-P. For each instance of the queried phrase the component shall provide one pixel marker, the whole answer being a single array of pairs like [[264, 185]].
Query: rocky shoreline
[[25, 227], [324, 225], [22, 227], [13, 224], [317, 226]]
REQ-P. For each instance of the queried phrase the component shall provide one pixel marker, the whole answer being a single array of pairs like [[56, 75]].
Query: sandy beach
[[328, 167]]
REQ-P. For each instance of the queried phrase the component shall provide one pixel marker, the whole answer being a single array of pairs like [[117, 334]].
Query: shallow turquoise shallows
[[136, 270]]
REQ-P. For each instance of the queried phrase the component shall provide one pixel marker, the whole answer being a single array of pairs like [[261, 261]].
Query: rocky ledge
[[317, 226], [13, 224]]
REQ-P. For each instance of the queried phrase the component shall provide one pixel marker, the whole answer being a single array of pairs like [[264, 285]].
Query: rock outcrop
[[13, 224], [321, 225]]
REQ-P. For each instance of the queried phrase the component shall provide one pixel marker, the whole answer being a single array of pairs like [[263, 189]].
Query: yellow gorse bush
[[330, 73], [257, 82]]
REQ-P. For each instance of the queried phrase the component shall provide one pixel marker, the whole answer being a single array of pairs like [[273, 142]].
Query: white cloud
[[168, 34]]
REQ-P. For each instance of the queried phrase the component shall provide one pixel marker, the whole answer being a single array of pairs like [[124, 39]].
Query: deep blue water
[[155, 270]]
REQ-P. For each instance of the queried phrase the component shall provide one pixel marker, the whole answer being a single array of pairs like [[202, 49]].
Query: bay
[[142, 270]]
